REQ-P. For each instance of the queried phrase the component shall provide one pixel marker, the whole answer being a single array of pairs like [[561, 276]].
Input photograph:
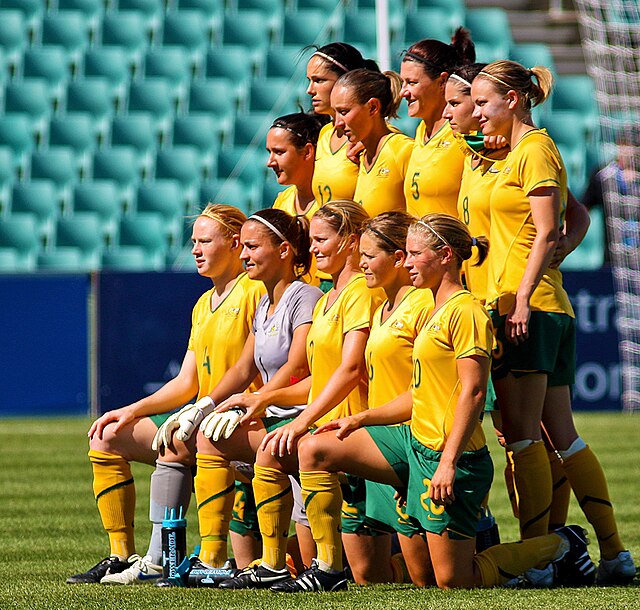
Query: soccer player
[[275, 250], [534, 362], [362, 101], [336, 169], [440, 460], [433, 176], [221, 322], [336, 387]]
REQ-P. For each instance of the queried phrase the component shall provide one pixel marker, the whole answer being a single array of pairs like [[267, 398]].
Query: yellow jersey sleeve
[[459, 329], [334, 175], [218, 336], [390, 346], [532, 163], [352, 310], [381, 187], [433, 176]]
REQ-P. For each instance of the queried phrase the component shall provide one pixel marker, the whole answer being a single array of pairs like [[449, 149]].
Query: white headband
[[442, 239], [460, 79], [333, 61], [267, 224]]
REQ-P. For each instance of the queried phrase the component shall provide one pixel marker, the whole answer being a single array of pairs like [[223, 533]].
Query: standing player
[[362, 101], [440, 460], [433, 176], [534, 363], [221, 321]]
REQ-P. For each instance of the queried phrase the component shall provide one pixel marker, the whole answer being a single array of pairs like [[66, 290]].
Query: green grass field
[[49, 529]]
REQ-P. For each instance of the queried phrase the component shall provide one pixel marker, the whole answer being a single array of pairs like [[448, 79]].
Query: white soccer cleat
[[140, 572], [617, 571]]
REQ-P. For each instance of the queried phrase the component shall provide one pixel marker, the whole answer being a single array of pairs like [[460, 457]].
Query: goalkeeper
[[221, 322]]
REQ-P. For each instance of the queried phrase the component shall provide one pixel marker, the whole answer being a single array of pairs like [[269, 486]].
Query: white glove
[[184, 421], [221, 425]]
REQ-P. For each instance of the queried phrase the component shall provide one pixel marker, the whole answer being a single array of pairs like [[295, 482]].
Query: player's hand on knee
[[221, 425], [183, 423]]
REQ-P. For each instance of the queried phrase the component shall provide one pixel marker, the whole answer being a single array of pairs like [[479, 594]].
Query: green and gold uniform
[[381, 187], [433, 176]]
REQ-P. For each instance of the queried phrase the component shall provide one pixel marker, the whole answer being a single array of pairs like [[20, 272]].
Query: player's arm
[[473, 372], [343, 380], [545, 212], [576, 224], [176, 392]]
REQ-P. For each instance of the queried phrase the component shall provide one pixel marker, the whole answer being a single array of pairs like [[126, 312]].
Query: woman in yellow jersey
[[440, 461], [221, 322], [291, 144], [362, 101], [435, 168], [275, 251], [534, 362], [336, 387], [336, 170]]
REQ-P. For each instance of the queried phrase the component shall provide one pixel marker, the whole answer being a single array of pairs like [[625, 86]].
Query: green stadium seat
[[212, 97], [19, 233], [111, 63], [8, 172], [328, 6], [32, 11], [13, 37], [126, 30], [211, 13], [183, 164], [65, 259], [130, 258], [533, 54], [57, 164], [101, 197], [286, 62], [251, 129], [427, 23], [51, 64], [309, 26], [40, 198], [170, 63], [17, 132], [92, 95], [145, 229], [276, 95], [455, 9], [68, 29], [576, 92], [231, 191], [120, 164], [84, 231], [202, 131], [78, 131], [190, 31], [151, 12], [490, 26], [589, 255], [30, 97], [164, 197], [270, 190], [92, 11], [250, 29], [244, 164], [232, 62], [9, 260], [487, 52], [155, 96], [396, 13], [137, 130]]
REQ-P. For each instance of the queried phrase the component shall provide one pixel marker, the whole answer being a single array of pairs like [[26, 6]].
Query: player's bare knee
[[313, 455]]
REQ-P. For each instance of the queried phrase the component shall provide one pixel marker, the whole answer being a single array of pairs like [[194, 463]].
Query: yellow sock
[[215, 490], [499, 564], [561, 494], [274, 503], [532, 476], [590, 486], [115, 496], [510, 483], [399, 568], [322, 498]]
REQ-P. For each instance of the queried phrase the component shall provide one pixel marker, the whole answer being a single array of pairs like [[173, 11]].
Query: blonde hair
[[228, 217], [345, 217], [509, 75], [439, 230], [367, 84]]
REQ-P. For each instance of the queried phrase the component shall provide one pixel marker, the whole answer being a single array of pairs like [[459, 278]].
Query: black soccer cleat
[[314, 579], [110, 565], [256, 577], [574, 568]]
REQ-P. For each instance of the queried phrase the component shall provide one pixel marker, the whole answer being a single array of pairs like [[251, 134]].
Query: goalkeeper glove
[[221, 425], [184, 423]]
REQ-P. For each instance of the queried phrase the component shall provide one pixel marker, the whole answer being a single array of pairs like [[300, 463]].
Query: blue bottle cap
[[171, 519]]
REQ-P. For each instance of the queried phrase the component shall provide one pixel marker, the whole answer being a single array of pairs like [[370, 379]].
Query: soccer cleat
[[140, 572], [617, 571], [110, 565], [574, 568], [256, 577], [314, 579], [533, 579]]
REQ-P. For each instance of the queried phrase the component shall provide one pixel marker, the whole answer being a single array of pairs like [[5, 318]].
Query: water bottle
[[487, 534], [174, 541]]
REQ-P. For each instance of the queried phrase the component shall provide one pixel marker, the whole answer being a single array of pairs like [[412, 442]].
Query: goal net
[[610, 31]]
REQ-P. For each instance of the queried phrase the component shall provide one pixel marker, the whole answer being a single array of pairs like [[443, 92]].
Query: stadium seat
[[211, 13], [234, 67], [139, 131], [286, 61], [17, 133], [100, 197], [65, 259], [78, 131], [9, 260], [155, 96], [57, 164], [19, 233], [126, 30], [230, 191], [151, 12], [164, 197], [533, 54], [170, 63], [37, 197], [310, 26], [276, 95], [111, 63], [145, 229], [202, 131], [8, 172], [251, 129], [51, 64], [32, 12], [269, 7], [92, 95], [84, 231], [576, 92], [490, 26], [92, 11], [328, 6], [31, 97], [130, 258], [191, 32], [454, 10], [68, 29], [183, 164], [250, 29], [589, 255], [246, 165], [13, 38], [270, 190], [212, 98], [427, 23], [122, 165]]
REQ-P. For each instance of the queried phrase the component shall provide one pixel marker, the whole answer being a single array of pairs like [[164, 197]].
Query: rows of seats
[[120, 112]]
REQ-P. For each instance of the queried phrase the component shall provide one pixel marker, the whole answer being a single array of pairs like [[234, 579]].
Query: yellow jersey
[[286, 201], [334, 174], [460, 328], [218, 336], [390, 346], [433, 177], [381, 187], [352, 310], [533, 162]]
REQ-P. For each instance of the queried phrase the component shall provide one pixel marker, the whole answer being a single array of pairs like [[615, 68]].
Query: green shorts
[[550, 349], [386, 513], [415, 466], [326, 285], [354, 509], [160, 418], [491, 402]]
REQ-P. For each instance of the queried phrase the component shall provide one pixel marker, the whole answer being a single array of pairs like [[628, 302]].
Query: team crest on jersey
[[273, 330], [334, 319], [507, 170], [444, 144], [434, 328], [398, 325], [383, 172], [233, 312]]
